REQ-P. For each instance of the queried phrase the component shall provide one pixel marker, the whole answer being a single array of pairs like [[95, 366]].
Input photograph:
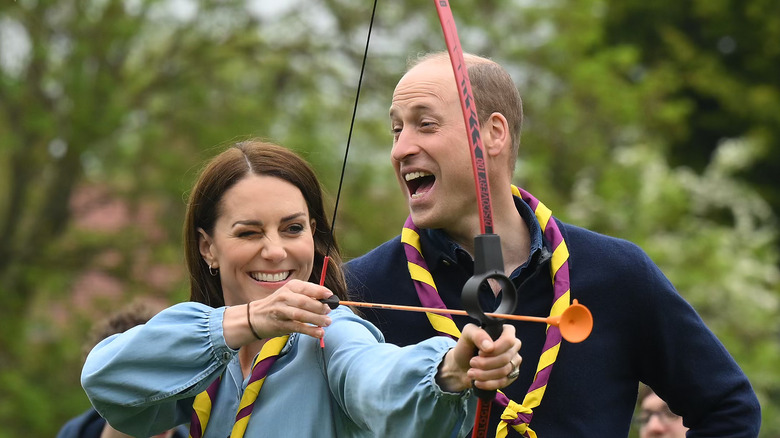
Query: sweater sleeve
[[143, 381], [392, 390], [687, 366]]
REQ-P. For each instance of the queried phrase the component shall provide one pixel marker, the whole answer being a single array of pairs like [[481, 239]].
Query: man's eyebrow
[[415, 109]]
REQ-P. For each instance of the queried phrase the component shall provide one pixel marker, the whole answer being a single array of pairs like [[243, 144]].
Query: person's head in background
[[655, 419], [120, 321]]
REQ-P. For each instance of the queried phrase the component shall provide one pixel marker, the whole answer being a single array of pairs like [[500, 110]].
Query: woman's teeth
[[280, 276]]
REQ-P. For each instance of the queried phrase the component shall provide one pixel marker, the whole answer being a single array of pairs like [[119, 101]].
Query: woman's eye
[[247, 233], [296, 228]]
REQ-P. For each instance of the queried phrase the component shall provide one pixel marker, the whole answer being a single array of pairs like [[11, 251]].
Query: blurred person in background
[[655, 419], [90, 424]]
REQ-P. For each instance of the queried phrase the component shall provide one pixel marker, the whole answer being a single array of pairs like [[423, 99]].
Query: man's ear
[[495, 135], [204, 245]]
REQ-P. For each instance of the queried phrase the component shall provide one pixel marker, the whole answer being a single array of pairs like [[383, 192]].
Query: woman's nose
[[273, 249]]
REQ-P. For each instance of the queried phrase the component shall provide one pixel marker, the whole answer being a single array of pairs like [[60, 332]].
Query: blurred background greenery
[[658, 122]]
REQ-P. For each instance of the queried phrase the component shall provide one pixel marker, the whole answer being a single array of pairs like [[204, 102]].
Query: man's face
[[431, 154]]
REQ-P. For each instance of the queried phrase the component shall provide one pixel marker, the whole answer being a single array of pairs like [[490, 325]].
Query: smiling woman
[[218, 180], [242, 357], [259, 243]]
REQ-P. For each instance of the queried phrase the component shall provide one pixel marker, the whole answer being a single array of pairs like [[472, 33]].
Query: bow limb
[[488, 259]]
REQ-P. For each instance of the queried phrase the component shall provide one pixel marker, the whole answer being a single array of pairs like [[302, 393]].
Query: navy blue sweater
[[643, 331]]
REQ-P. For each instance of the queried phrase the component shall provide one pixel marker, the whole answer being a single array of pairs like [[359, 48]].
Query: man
[[655, 419], [643, 330]]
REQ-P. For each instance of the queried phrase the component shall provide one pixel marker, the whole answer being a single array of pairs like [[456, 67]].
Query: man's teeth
[[259, 276], [415, 175]]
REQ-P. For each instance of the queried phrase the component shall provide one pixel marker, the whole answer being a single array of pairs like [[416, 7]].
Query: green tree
[[724, 60]]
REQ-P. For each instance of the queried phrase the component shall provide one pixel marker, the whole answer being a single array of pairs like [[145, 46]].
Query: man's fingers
[[496, 364], [489, 347]]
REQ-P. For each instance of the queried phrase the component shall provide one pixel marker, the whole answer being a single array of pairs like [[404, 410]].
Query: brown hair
[[644, 392], [223, 172], [134, 314], [494, 92]]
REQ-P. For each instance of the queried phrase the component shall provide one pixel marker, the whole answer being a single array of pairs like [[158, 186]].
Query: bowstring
[[351, 128], [331, 241]]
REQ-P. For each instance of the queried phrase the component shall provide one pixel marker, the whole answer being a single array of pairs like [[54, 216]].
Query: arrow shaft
[[444, 311]]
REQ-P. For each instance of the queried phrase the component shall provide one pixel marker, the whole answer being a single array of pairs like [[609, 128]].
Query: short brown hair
[[120, 321], [494, 92], [644, 392]]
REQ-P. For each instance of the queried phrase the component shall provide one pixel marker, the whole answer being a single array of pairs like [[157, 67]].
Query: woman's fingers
[[295, 307]]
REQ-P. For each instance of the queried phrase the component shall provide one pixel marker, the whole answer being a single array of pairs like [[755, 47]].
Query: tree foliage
[[725, 59], [652, 122]]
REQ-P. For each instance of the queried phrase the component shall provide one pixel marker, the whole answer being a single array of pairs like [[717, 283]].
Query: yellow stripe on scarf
[[421, 274], [202, 407], [559, 257], [272, 347], [411, 237], [443, 324]]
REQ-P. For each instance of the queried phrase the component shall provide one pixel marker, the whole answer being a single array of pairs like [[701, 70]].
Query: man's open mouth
[[418, 183]]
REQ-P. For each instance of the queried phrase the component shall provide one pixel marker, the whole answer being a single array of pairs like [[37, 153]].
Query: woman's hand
[[489, 370], [294, 307]]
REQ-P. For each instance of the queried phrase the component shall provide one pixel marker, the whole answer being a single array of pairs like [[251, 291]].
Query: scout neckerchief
[[516, 415], [205, 400]]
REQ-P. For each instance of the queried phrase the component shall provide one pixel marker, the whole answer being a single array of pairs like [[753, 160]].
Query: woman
[[255, 240]]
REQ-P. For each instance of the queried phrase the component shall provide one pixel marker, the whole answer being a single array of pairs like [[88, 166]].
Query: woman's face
[[263, 238]]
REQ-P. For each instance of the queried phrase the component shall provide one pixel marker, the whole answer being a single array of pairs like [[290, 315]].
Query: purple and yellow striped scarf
[[204, 401], [516, 415]]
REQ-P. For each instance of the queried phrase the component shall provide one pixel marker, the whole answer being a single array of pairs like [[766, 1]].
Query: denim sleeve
[[144, 380], [392, 390]]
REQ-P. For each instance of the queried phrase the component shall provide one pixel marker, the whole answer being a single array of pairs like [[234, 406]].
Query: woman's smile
[[270, 277]]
